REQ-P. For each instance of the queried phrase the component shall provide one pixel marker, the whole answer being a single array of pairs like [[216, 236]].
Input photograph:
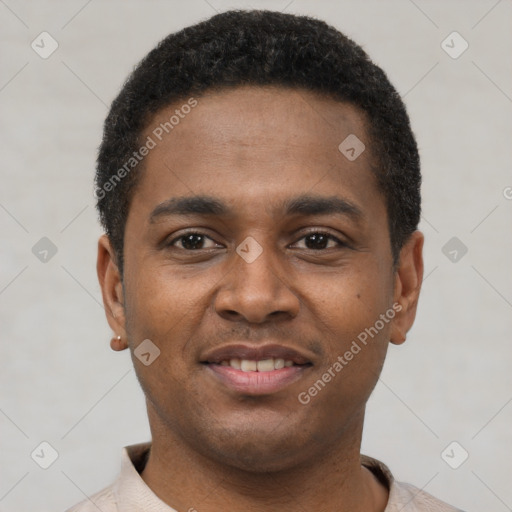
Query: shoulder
[[103, 500], [408, 498], [404, 497]]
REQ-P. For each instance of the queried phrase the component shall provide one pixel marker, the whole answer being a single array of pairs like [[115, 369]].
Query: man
[[258, 182]]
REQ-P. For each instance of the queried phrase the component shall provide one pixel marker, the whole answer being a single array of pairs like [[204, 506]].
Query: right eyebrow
[[193, 205]]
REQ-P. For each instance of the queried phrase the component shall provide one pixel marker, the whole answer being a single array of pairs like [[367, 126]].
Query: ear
[[408, 279], [112, 292]]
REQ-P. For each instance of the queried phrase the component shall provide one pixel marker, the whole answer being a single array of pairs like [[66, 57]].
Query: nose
[[256, 291]]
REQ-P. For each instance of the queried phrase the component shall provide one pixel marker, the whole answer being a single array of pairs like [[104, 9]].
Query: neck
[[188, 480]]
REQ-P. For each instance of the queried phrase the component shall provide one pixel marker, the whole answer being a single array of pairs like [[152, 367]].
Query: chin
[[257, 459], [257, 450]]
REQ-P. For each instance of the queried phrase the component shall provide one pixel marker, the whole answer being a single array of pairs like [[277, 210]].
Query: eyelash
[[314, 232]]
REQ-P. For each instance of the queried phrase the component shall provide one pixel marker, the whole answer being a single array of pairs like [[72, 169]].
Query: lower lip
[[257, 383]]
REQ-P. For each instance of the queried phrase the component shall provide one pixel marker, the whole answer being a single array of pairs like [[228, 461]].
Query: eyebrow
[[194, 205], [319, 205], [303, 205]]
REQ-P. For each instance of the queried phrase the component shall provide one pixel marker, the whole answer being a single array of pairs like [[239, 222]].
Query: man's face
[[292, 262]]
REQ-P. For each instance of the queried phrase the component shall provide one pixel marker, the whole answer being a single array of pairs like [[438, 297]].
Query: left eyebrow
[[319, 205]]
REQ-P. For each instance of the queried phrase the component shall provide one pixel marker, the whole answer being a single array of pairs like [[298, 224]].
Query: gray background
[[61, 383]]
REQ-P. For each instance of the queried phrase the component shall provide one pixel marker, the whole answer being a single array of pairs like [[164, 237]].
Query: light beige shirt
[[129, 493]]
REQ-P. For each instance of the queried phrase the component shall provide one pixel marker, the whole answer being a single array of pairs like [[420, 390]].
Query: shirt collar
[[132, 494]]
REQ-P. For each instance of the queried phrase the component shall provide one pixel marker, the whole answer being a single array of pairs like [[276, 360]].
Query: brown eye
[[318, 241], [193, 242]]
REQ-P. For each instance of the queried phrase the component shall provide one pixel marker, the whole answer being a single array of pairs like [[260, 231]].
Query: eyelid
[[171, 241], [322, 231]]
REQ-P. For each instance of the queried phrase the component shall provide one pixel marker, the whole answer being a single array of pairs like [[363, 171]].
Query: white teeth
[[265, 365], [278, 364], [247, 365]]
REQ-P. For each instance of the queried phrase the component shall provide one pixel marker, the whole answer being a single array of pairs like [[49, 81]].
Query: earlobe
[[112, 291], [408, 279], [118, 343], [397, 336]]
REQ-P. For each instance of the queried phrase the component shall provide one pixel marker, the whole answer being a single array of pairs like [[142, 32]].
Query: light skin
[[255, 150]]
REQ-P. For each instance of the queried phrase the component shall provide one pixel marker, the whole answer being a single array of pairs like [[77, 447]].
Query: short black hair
[[259, 47]]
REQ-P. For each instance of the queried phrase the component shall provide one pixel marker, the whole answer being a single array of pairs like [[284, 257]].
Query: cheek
[[163, 301], [356, 315], [351, 316], [166, 310], [355, 352], [350, 300]]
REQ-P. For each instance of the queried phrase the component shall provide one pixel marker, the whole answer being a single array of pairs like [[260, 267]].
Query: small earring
[[117, 343]]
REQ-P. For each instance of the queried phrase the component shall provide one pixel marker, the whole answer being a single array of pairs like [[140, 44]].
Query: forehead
[[272, 115], [257, 143]]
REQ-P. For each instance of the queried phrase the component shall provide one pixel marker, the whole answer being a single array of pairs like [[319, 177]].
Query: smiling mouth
[[263, 365], [249, 370]]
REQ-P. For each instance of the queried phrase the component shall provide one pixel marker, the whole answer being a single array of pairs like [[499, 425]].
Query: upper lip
[[254, 353]]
